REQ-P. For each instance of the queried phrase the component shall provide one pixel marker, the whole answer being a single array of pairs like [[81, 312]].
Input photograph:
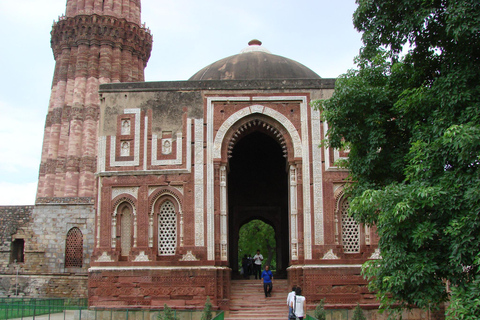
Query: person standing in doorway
[[245, 267], [257, 264], [267, 277]]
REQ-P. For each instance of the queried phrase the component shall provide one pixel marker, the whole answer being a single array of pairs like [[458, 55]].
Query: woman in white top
[[298, 304], [290, 297]]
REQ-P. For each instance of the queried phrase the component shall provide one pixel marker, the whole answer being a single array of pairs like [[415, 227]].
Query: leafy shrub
[[168, 314], [320, 311], [358, 313], [207, 312]]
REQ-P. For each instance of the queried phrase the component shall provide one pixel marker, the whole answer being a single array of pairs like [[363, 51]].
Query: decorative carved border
[[318, 215], [199, 184], [330, 255], [116, 203], [136, 148], [156, 195], [176, 161], [179, 157], [94, 29], [330, 166], [153, 199], [287, 124], [132, 191], [301, 148]]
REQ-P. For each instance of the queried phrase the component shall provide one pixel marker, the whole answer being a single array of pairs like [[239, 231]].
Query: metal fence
[[77, 309], [11, 308]]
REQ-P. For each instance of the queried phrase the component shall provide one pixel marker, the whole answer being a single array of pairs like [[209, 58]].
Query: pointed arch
[[348, 231], [165, 231], [74, 248], [124, 225], [278, 121]]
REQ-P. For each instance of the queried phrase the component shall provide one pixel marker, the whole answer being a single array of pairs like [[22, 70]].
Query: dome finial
[[255, 42], [255, 46]]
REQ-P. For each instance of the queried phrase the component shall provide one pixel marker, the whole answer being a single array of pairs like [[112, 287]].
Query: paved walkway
[[68, 315]]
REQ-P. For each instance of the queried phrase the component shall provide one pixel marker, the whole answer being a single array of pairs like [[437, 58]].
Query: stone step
[[248, 301]]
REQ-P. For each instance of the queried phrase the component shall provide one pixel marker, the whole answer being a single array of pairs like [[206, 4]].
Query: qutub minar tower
[[96, 42], [143, 187]]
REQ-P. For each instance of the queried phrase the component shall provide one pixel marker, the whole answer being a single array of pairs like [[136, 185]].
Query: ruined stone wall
[[46, 252], [13, 219], [39, 286], [44, 229]]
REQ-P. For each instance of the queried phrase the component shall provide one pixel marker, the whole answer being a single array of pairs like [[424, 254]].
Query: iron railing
[[66, 309]]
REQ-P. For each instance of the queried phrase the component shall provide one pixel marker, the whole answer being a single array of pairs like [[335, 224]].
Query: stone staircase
[[247, 301]]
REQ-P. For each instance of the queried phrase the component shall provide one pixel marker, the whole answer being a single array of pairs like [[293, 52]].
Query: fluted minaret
[[96, 42]]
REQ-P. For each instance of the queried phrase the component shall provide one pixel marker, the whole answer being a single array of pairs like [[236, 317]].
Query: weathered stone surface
[[186, 287], [15, 222]]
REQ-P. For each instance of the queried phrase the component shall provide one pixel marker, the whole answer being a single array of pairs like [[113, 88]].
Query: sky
[[187, 36]]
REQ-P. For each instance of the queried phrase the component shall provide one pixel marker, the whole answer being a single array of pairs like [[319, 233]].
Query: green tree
[[358, 313], [320, 313], [255, 235], [207, 311], [410, 117], [168, 314]]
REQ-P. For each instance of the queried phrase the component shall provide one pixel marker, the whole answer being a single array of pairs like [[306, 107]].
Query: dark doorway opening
[[258, 189], [256, 235], [18, 249]]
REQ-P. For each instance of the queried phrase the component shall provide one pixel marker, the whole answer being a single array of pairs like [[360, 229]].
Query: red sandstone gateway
[[146, 185]]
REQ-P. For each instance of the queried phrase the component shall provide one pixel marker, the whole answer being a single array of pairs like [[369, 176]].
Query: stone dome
[[255, 63]]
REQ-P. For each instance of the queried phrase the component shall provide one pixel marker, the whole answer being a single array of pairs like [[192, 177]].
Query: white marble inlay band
[[199, 182], [317, 179], [176, 161], [136, 148], [287, 124], [300, 145], [133, 191]]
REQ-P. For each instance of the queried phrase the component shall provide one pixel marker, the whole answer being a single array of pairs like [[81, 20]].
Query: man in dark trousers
[[267, 277], [257, 264]]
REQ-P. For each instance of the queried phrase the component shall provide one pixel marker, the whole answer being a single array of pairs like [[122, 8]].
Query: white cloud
[[31, 11], [21, 136], [12, 194]]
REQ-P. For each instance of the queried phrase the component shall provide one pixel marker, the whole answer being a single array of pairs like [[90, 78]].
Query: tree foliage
[[257, 235], [207, 311], [168, 314], [358, 313], [320, 313], [411, 121]]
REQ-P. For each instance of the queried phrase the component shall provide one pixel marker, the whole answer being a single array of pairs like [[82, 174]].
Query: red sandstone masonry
[[85, 60]]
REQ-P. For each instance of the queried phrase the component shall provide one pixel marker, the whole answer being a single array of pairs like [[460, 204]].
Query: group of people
[[252, 265], [295, 300], [296, 304]]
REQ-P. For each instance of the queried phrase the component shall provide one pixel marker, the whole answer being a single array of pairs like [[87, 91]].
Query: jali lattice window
[[350, 231], [167, 229], [74, 248], [126, 231]]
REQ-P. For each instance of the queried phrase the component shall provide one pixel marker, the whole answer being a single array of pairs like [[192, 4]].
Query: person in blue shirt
[[267, 277]]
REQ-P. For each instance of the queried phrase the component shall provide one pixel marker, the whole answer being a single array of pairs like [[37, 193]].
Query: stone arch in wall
[[165, 232], [348, 231], [257, 150], [124, 226], [258, 115], [74, 248]]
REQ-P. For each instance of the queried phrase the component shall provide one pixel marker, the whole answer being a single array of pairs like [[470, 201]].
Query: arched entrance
[[258, 189]]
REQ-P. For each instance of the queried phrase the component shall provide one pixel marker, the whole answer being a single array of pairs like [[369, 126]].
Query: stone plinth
[[152, 287]]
